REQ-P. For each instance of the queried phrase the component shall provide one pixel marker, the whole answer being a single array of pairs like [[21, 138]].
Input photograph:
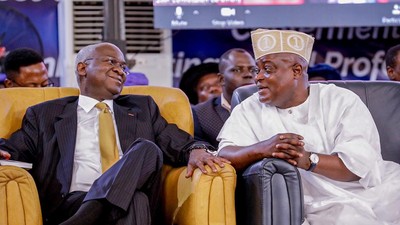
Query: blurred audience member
[[2, 78], [392, 60], [135, 78], [2, 50], [25, 68], [237, 68], [323, 71], [201, 82], [2, 55]]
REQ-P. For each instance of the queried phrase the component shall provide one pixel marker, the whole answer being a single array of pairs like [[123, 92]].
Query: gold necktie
[[108, 143]]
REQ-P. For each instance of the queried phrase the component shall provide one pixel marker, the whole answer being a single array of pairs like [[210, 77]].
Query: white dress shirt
[[87, 163]]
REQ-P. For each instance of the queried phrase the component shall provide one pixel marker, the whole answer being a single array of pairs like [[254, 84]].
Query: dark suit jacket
[[209, 117], [48, 134]]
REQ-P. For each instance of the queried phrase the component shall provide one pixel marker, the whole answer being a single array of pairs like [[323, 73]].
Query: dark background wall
[[356, 52]]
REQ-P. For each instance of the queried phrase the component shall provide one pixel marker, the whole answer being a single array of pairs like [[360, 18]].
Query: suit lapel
[[65, 131], [126, 119]]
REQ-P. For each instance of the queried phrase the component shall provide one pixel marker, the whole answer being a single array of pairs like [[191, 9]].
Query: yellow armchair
[[201, 200]]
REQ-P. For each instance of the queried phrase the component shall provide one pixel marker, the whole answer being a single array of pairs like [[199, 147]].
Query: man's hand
[[4, 155], [288, 146], [199, 158]]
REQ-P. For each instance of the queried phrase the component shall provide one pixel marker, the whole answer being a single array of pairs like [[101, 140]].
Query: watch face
[[314, 158], [214, 153]]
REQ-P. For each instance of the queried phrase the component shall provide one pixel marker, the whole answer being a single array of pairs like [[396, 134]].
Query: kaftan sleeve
[[243, 124], [357, 139]]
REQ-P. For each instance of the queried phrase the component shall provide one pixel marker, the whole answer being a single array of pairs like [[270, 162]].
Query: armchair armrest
[[201, 200], [19, 201], [272, 194]]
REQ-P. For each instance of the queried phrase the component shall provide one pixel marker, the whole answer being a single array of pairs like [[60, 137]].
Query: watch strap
[[312, 167], [312, 164], [208, 148]]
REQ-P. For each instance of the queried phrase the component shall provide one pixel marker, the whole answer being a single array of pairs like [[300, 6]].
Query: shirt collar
[[88, 103], [225, 103]]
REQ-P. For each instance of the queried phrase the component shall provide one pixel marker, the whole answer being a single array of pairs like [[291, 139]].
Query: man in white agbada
[[324, 130]]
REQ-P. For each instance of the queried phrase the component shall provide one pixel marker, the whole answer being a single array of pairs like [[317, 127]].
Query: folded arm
[[289, 147], [243, 156]]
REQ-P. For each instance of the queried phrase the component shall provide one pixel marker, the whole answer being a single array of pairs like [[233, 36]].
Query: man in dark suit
[[236, 68], [61, 139]]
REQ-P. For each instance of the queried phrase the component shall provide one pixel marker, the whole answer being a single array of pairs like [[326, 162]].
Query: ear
[[390, 72], [297, 71], [8, 83], [81, 69], [221, 79]]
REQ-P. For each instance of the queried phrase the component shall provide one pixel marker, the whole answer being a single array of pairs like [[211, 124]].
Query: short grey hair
[[85, 53]]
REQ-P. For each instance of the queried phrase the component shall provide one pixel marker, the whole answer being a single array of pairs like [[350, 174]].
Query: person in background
[[79, 181], [392, 59], [236, 68], [2, 79], [322, 72], [135, 78], [25, 68], [325, 131], [2, 56], [201, 82]]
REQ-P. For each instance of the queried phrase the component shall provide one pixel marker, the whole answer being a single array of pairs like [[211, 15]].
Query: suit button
[[62, 196]]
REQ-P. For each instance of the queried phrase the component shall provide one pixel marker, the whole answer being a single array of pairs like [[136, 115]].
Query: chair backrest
[[383, 101], [173, 103]]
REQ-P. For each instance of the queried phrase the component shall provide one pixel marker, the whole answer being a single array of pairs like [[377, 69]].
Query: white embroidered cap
[[281, 41]]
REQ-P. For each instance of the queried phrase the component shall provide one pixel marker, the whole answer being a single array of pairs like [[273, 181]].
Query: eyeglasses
[[112, 62], [47, 83], [241, 70]]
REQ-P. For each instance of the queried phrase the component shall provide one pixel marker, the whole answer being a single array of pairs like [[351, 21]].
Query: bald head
[[226, 58]]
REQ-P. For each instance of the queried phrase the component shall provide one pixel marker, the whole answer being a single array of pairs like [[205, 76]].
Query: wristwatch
[[314, 159], [213, 151]]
